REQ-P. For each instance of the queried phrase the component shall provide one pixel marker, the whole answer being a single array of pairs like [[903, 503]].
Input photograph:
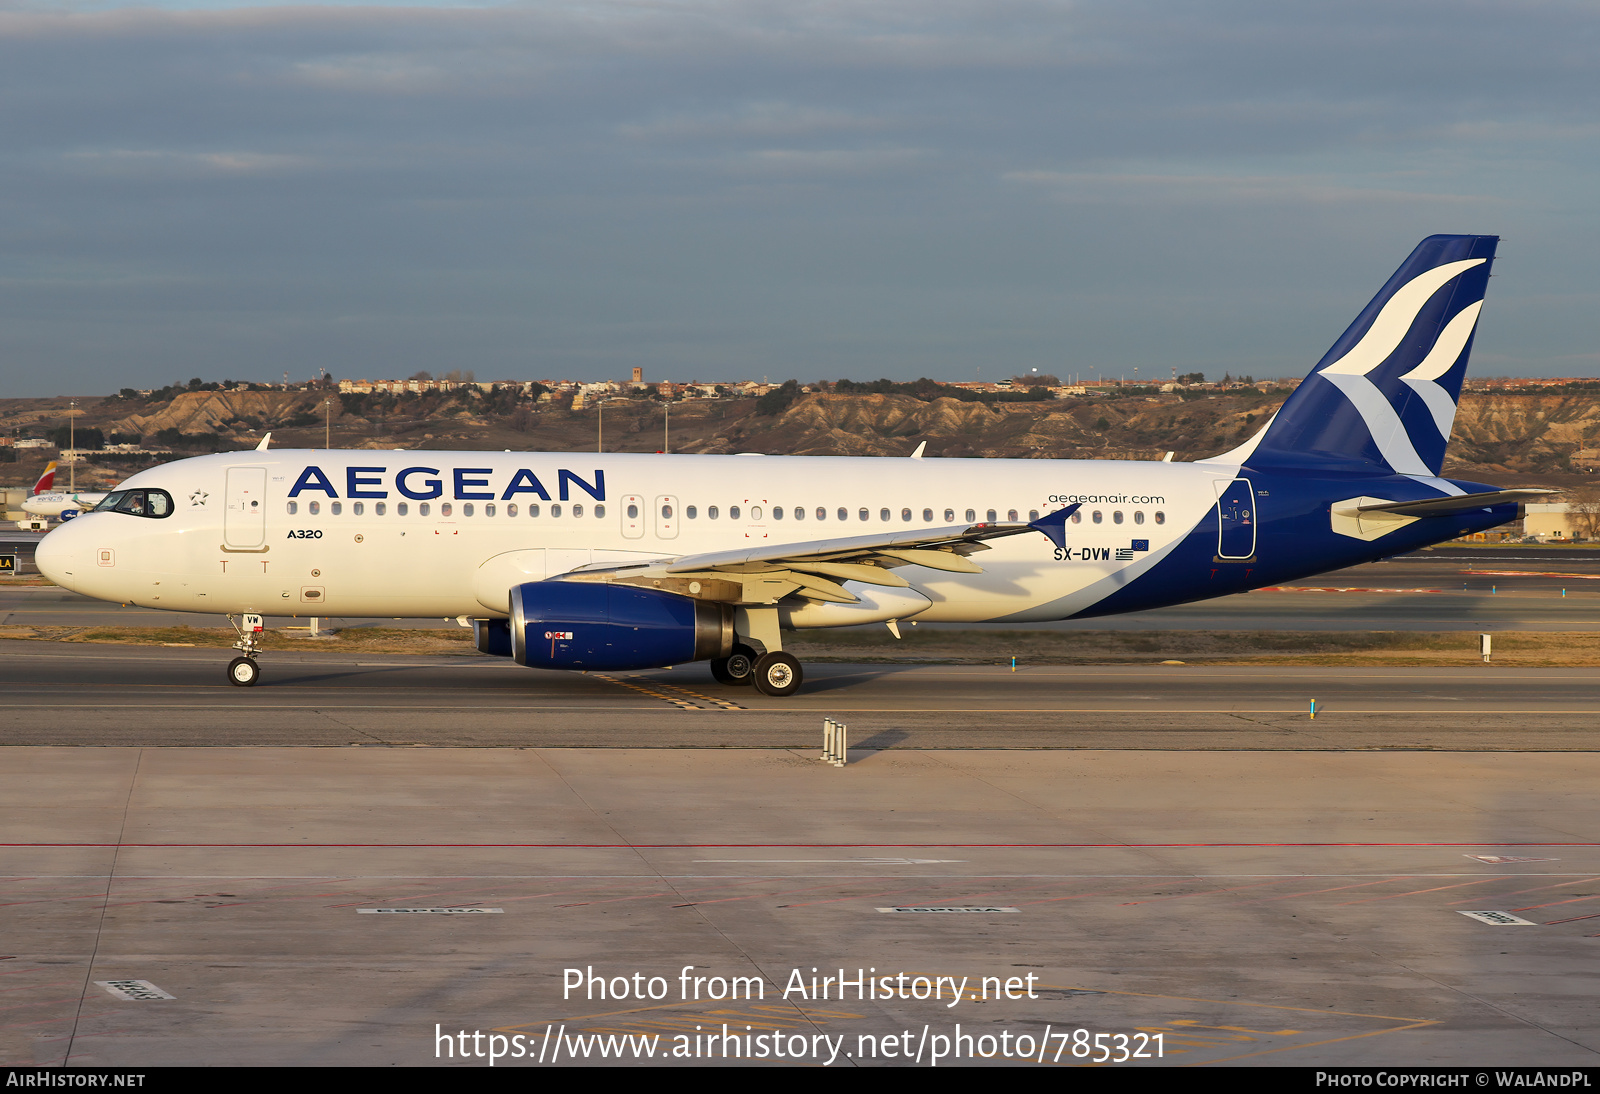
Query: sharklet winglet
[[1054, 525]]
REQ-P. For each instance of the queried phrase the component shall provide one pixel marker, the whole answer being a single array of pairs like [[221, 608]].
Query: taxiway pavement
[[60, 693], [361, 906]]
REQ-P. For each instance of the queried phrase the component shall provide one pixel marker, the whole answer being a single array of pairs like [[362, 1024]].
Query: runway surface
[[366, 856], [1470, 589], [106, 695], [359, 906]]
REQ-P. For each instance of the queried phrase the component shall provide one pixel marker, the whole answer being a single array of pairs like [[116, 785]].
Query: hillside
[[1507, 438]]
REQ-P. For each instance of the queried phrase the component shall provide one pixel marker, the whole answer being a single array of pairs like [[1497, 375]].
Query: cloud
[[1144, 189], [833, 184], [128, 162]]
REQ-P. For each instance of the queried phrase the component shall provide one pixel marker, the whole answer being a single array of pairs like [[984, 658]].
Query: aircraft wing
[[817, 568]]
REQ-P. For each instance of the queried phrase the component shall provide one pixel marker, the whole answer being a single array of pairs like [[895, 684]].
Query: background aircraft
[[43, 502]]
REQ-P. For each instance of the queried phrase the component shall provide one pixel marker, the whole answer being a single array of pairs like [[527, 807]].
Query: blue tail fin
[[1384, 397]]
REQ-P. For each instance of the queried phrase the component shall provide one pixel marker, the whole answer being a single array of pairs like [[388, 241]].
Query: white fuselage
[[394, 534], [59, 504]]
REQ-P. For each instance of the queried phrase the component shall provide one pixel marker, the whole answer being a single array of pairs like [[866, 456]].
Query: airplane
[[632, 561], [43, 502]]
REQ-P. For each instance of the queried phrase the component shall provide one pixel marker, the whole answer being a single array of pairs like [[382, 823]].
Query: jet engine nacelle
[[590, 625]]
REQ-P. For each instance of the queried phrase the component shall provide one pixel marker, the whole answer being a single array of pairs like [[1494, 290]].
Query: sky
[[732, 189]]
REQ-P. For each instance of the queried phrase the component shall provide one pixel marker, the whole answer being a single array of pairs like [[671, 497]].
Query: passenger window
[[711, 512], [1138, 516], [905, 516], [633, 512], [844, 514], [577, 511], [991, 517], [488, 510], [883, 514], [555, 510], [293, 507], [949, 516], [777, 512], [1077, 518], [799, 513], [511, 509], [466, 509], [927, 516], [533, 510], [691, 512], [733, 512], [1011, 514], [599, 511], [335, 508], [972, 516], [864, 515], [423, 509], [380, 508], [401, 509], [755, 512], [1096, 516], [666, 511], [313, 507], [822, 514], [445, 509], [358, 508], [1116, 517], [1161, 518]]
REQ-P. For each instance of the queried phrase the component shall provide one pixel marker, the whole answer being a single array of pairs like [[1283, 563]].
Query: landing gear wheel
[[243, 672], [735, 668], [777, 674]]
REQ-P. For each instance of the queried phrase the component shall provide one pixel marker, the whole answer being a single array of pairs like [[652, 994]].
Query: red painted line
[[1205, 892], [1535, 889], [1574, 919], [1334, 889], [1337, 589], [766, 846], [1415, 892], [1555, 903]]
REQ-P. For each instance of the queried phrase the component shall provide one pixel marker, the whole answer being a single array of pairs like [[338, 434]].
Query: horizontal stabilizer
[[1460, 503]]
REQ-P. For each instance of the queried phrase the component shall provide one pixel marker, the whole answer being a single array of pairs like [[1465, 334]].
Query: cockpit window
[[138, 503]]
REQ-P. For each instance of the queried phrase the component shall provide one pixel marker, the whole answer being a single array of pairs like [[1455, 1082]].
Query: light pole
[[666, 426], [600, 426], [72, 446], [327, 423]]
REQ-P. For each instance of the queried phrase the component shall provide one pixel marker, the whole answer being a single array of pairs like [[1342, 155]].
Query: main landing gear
[[735, 668], [243, 672], [775, 674]]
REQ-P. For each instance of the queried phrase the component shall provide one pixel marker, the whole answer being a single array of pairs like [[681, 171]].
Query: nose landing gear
[[243, 672]]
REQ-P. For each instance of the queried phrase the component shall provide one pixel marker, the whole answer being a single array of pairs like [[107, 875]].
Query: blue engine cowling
[[590, 625]]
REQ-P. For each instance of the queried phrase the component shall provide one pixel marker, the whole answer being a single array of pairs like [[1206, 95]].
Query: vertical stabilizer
[[46, 480], [1384, 397]]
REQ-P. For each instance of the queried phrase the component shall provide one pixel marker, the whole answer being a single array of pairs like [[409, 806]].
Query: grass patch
[[957, 647]]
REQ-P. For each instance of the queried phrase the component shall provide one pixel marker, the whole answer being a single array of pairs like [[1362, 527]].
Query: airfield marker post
[[834, 742]]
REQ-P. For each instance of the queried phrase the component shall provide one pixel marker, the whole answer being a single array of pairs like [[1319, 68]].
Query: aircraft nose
[[62, 555]]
